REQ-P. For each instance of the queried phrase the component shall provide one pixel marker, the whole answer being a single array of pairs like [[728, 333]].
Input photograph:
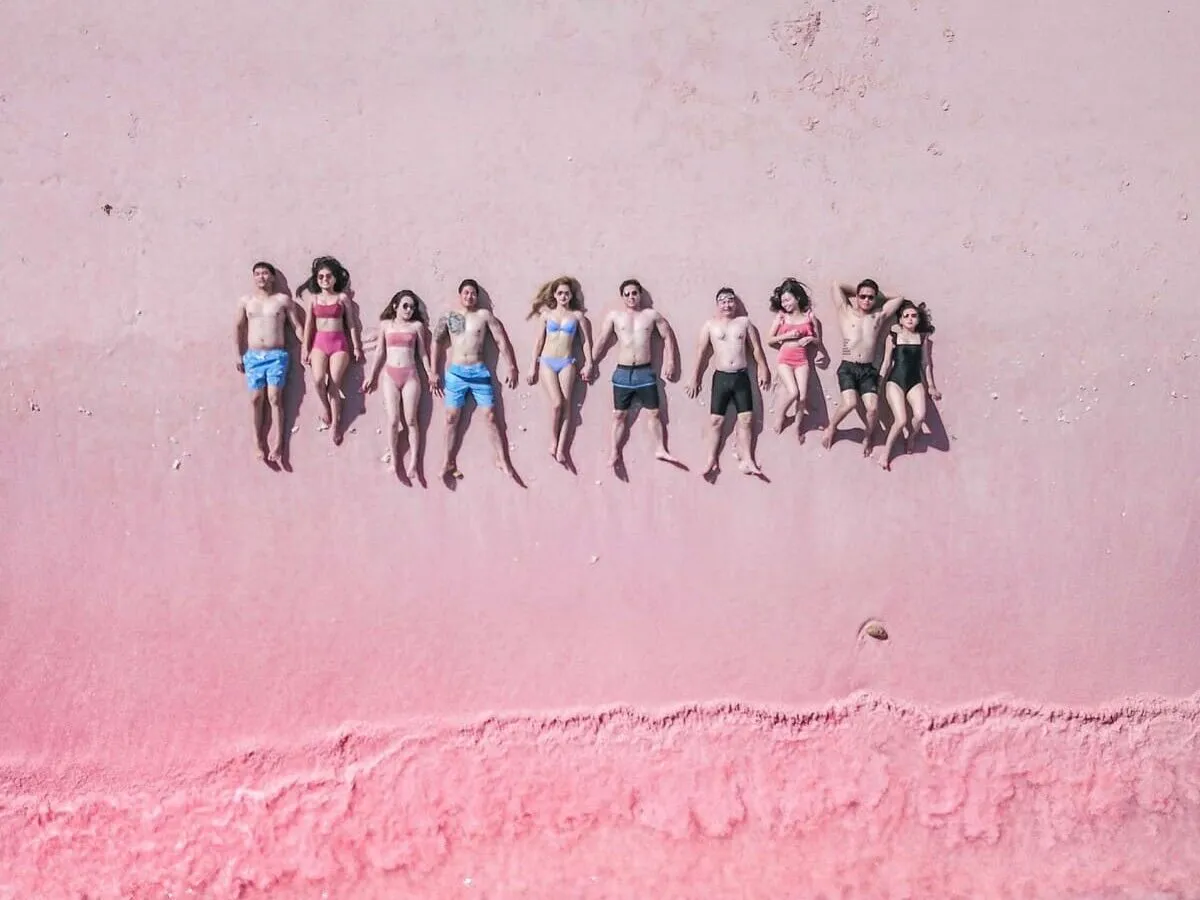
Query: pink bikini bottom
[[331, 342]]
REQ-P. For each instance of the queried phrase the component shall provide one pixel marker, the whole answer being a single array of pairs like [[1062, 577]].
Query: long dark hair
[[390, 311], [924, 316], [796, 289], [341, 276]]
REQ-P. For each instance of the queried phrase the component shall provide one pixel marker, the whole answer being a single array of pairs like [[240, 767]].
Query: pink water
[[229, 681]]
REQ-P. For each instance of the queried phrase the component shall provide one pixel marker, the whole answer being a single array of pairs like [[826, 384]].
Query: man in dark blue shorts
[[634, 327]]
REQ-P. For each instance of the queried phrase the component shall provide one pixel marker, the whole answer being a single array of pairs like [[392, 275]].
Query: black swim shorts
[[630, 382], [731, 387], [862, 378]]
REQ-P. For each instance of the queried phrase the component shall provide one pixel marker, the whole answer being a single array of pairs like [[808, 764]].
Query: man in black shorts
[[634, 378], [727, 335], [861, 317]]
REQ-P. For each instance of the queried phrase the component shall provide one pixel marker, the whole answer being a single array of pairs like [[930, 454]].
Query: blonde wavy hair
[[544, 298]]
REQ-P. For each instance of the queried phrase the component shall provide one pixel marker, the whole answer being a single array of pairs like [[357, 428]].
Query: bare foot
[[886, 463], [560, 455], [503, 465], [867, 448], [829, 437], [711, 469], [275, 455], [664, 456], [614, 461], [337, 437], [749, 467], [779, 422], [910, 442], [411, 471], [450, 470]]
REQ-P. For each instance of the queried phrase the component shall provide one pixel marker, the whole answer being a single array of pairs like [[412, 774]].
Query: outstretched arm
[[441, 334], [377, 364], [500, 336], [423, 348], [703, 345], [670, 347], [296, 317], [239, 333], [760, 358], [585, 337], [354, 325], [538, 344], [822, 357], [927, 358], [885, 367], [606, 333], [310, 326]]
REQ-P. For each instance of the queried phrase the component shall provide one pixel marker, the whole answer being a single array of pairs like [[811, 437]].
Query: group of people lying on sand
[[327, 325]]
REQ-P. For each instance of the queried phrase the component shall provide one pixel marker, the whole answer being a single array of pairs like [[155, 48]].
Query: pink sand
[[227, 681]]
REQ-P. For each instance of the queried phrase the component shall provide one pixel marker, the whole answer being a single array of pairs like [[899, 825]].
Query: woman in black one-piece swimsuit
[[906, 371]]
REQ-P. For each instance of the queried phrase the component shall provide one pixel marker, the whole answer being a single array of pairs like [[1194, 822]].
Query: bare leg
[[275, 408], [497, 436], [258, 408], [620, 432], [338, 364], [566, 384], [895, 398], [320, 372], [713, 444], [787, 377], [870, 420], [802, 373], [453, 416], [554, 398], [659, 430], [410, 396], [391, 402], [845, 407], [745, 431], [916, 399]]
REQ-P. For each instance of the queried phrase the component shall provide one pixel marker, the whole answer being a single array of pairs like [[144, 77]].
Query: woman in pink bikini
[[558, 307], [332, 336], [403, 342], [793, 331]]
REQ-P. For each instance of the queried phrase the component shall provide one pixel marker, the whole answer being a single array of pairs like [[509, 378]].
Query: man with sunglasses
[[861, 317]]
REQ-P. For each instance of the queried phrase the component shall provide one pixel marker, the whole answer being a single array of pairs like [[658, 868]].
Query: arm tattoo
[[439, 330]]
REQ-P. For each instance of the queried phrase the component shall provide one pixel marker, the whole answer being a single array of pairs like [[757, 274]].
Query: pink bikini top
[[400, 338], [804, 329], [330, 311]]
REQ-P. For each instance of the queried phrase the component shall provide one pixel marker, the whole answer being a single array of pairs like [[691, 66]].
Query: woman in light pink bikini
[[403, 342], [793, 331], [332, 336], [558, 307]]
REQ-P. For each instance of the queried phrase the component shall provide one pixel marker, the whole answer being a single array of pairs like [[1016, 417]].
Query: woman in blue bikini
[[558, 306]]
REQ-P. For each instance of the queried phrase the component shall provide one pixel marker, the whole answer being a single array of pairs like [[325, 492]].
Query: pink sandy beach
[[222, 681]]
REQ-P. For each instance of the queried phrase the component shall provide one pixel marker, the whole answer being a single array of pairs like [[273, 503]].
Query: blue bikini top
[[567, 327]]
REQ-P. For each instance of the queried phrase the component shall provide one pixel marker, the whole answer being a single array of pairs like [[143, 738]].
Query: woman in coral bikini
[[793, 331], [403, 342], [332, 336], [907, 375], [558, 306]]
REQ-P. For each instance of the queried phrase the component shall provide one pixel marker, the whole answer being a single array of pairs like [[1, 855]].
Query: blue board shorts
[[475, 379], [265, 367]]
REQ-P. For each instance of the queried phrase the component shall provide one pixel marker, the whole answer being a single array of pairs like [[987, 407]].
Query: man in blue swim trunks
[[634, 378], [261, 355], [465, 330]]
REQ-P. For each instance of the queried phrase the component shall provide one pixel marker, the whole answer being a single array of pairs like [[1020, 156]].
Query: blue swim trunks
[[475, 378], [265, 367]]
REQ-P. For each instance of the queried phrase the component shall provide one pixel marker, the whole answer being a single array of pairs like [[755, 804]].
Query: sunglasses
[[866, 296]]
